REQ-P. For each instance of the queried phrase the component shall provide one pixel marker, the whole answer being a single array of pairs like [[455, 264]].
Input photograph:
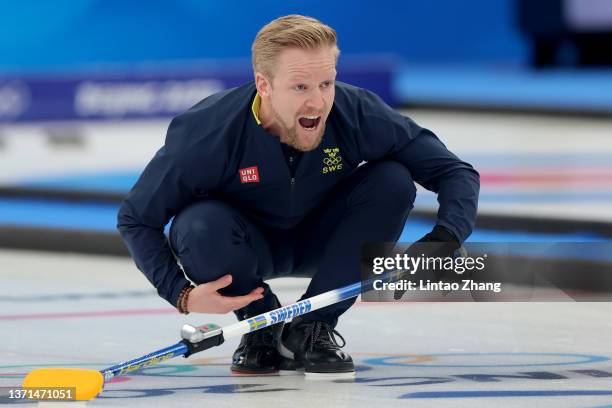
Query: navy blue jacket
[[207, 147]]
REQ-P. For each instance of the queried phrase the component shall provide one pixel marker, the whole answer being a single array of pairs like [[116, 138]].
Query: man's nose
[[315, 100]]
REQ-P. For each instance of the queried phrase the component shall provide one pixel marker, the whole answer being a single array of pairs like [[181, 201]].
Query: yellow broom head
[[87, 383]]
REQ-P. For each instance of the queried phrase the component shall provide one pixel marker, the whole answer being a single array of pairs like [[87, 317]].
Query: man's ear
[[263, 84]]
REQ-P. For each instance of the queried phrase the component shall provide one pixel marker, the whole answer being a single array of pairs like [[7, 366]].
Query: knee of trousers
[[211, 239], [390, 185]]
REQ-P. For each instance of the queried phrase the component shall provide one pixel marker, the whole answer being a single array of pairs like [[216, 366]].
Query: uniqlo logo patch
[[249, 175]]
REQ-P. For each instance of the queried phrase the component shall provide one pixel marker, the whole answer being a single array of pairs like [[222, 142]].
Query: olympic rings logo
[[330, 161]]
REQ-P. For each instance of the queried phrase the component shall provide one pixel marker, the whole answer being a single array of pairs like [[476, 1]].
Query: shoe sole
[[291, 366], [334, 368], [253, 372], [329, 376]]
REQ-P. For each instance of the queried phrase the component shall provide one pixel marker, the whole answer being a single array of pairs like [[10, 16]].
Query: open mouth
[[309, 122]]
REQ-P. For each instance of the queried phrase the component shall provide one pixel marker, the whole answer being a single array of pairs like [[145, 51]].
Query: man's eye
[[300, 87], [326, 84]]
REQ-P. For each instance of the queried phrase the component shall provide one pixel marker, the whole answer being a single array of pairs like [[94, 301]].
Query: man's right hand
[[205, 298]]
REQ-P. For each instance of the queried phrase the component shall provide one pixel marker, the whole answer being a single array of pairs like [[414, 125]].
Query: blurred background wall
[[66, 33], [484, 54], [521, 89]]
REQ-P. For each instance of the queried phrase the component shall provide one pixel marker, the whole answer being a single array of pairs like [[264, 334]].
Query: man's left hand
[[439, 243]]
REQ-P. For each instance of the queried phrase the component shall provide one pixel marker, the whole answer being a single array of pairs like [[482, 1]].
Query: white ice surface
[[402, 350]]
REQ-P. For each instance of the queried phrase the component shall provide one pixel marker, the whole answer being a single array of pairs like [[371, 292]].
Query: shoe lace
[[322, 335]]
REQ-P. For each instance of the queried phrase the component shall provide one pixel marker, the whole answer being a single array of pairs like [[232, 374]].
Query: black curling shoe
[[312, 346], [257, 352]]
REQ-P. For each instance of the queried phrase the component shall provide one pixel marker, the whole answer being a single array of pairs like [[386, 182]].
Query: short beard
[[290, 137]]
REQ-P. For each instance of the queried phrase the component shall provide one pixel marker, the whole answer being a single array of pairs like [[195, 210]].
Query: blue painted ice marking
[[500, 394], [579, 359]]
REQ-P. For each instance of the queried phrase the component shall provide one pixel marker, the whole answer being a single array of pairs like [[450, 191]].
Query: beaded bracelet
[[181, 303]]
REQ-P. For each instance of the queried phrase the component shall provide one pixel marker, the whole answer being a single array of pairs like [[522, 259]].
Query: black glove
[[439, 243], [446, 239]]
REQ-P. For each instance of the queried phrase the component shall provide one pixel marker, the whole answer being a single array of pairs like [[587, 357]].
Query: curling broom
[[89, 383]]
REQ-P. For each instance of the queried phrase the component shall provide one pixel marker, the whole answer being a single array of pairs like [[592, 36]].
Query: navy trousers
[[211, 239]]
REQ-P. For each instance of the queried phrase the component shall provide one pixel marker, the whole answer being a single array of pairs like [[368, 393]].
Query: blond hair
[[289, 31]]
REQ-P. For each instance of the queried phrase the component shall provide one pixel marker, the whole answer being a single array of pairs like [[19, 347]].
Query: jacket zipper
[[292, 170], [291, 196]]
